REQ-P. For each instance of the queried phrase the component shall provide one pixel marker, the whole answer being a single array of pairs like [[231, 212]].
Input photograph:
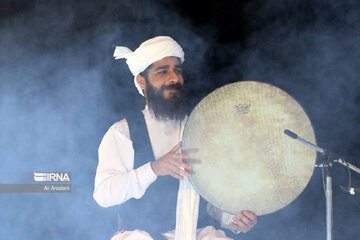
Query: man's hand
[[244, 221], [171, 164]]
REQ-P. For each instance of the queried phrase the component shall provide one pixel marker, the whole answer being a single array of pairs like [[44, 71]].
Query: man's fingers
[[176, 148], [180, 156], [181, 164], [237, 227], [185, 166], [250, 215], [180, 171], [177, 176], [233, 224], [247, 217], [245, 220], [239, 224], [183, 156], [171, 164]]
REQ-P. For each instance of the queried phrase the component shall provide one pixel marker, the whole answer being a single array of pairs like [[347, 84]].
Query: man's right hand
[[171, 164]]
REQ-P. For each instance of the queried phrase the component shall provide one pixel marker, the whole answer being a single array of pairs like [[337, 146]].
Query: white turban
[[147, 53]]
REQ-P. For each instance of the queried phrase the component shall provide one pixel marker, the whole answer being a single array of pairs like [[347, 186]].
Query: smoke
[[310, 49], [60, 90]]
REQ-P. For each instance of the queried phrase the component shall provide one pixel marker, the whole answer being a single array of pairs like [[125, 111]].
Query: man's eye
[[178, 71], [162, 72]]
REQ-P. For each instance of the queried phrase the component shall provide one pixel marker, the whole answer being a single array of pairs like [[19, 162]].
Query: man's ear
[[141, 81]]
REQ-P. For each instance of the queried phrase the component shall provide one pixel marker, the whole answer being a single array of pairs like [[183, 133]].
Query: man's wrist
[[146, 175], [152, 163], [226, 219]]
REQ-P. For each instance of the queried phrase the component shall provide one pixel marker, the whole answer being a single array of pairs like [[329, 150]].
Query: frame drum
[[241, 158]]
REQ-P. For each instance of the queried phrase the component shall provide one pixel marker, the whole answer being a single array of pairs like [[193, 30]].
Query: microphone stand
[[326, 165]]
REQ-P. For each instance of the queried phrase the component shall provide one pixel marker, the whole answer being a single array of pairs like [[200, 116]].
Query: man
[[140, 160]]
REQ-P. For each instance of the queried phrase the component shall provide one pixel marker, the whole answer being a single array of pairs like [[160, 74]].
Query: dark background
[[60, 90]]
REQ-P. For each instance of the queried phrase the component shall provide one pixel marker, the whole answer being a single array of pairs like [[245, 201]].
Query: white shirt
[[116, 179]]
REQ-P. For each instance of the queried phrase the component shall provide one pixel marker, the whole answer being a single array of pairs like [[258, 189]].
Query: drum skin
[[241, 158]]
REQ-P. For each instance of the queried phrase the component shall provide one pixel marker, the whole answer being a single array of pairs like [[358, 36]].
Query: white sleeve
[[116, 181], [223, 218]]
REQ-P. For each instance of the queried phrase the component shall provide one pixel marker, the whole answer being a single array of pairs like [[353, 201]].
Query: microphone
[[296, 137]]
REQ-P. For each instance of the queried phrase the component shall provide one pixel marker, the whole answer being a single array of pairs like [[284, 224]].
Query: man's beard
[[164, 109]]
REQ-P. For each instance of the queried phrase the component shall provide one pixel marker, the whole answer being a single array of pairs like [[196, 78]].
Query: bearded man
[[140, 160]]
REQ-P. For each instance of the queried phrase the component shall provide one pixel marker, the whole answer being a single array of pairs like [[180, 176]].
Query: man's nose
[[173, 78]]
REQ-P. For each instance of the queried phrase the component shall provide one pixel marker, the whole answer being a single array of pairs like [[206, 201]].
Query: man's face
[[165, 75], [163, 89]]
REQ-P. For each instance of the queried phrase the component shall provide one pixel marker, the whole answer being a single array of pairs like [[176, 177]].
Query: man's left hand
[[244, 221]]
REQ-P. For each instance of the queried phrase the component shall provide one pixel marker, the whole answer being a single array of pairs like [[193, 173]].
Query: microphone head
[[290, 134]]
